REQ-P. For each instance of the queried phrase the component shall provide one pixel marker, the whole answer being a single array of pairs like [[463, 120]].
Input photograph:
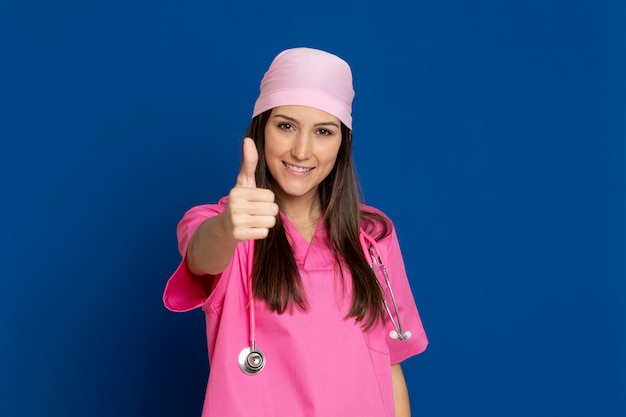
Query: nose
[[301, 149]]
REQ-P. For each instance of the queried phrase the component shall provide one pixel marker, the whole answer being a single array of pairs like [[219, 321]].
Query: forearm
[[210, 248], [400, 392]]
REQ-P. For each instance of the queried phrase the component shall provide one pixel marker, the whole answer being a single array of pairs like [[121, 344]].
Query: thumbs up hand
[[251, 211]]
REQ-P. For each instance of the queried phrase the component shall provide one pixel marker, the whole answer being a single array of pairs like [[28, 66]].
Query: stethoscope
[[252, 359]]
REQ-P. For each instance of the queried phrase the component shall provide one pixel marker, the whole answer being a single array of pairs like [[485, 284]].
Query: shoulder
[[196, 215], [365, 208], [207, 210], [374, 222]]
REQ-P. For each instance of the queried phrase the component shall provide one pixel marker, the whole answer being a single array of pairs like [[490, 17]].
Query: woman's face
[[301, 146]]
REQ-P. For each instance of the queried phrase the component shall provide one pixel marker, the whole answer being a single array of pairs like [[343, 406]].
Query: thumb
[[249, 161]]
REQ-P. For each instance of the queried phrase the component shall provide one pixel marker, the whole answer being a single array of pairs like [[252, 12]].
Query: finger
[[240, 195], [254, 234], [256, 222], [250, 158], [253, 227], [253, 214], [262, 209]]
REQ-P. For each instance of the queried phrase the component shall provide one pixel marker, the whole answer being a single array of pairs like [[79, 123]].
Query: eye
[[285, 126], [325, 132]]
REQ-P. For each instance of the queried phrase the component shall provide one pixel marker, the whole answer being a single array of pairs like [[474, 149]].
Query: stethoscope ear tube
[[372, 256]]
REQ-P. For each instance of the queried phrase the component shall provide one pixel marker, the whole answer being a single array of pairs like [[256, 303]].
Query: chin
[[295, 192]]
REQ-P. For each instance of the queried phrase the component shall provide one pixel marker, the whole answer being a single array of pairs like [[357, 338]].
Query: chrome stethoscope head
[[251, 360]]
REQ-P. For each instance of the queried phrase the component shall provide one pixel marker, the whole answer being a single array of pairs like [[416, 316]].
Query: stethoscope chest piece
[[251, 360]]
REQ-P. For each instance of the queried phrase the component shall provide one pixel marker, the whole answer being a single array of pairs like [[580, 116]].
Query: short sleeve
[[184, 291], [392, 258]]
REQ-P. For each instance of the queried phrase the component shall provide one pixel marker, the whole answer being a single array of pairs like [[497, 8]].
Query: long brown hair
[[275, 275]]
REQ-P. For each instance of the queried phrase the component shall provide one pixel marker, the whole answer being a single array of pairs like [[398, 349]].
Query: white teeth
[[298, 169]]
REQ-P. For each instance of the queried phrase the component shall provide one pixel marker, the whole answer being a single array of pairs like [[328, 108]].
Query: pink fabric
[[308, 77], [318, 363]]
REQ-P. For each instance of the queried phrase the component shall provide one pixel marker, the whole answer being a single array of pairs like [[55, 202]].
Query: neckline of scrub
[[300, 247]]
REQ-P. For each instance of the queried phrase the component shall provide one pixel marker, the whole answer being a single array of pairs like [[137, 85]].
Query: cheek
[[270, 151], [270, 162], [332, 154], [274, 146], [273, 160]]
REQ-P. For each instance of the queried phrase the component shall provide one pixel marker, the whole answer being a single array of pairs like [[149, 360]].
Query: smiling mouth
[[297, 168]]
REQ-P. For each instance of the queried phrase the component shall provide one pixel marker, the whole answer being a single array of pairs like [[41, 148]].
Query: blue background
[[493, 133]]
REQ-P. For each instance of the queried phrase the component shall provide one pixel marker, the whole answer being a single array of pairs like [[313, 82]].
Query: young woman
[[300, 319]]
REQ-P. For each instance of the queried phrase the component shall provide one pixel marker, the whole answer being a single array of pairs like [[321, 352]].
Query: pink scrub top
[[318, 363]]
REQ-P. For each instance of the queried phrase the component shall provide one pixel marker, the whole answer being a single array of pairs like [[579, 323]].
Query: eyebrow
[[291, 119]]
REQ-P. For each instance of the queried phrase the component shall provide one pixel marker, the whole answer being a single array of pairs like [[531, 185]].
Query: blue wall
[[494, 135]]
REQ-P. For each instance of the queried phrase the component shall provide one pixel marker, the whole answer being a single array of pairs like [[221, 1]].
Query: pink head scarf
[[308, 77]]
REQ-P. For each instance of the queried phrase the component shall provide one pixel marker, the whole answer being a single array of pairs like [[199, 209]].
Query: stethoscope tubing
[[375, 258], [251, 359]]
